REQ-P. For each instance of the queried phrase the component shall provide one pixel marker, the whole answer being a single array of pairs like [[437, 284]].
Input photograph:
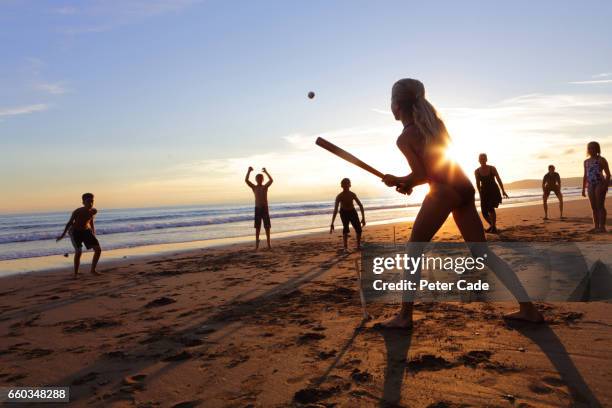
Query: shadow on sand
[[397, 343], [546, 339]]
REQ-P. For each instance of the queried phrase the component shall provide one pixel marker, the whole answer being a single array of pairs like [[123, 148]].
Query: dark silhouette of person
[[424, 141], [552, 182], [348, 214], [594, 168], [490, 197], [262, 213]]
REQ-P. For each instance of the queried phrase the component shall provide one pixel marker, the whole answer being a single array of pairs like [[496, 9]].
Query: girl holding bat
[[424, 142]]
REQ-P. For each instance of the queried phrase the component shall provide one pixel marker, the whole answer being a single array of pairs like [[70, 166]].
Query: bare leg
[[257, 230], [359, 240], [560, 197], [493, 217], [77, 261], [485, 215], [545, 203], [593, 201], [600, 192], [96, 258], [268, 237], [434, 211], [345, 240], [468, 222]]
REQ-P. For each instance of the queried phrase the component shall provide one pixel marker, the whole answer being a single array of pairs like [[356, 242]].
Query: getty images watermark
[[496, 271]]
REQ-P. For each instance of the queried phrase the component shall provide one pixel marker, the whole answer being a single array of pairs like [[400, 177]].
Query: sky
[[157, 102]]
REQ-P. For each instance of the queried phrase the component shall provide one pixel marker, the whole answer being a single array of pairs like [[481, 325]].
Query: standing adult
[[262, 213], [490, 196], [552, 182], [594, 169]]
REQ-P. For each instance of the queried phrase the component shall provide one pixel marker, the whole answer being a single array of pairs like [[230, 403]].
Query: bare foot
[[545, 218], [592, 231], [398, 322], [527, 313], [94, 272]]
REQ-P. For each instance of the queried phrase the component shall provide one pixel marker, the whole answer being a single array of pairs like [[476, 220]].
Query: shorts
[[548, 190], [262, 214], [80, 237], [350, 216]]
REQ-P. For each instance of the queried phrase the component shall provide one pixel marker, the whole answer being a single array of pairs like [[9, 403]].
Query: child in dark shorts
[[348, 214], [82, 230]]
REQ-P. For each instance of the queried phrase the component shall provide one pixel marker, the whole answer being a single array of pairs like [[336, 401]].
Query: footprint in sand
[[188, 404], [182, 356], [133, 383], [36, 353], [554, 381], [162, 301], [309, 337], [428, 362], [540, 389], [85, 378], [313, 395]]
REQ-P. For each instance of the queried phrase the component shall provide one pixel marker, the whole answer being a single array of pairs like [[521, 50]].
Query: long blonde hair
[[409, 94]]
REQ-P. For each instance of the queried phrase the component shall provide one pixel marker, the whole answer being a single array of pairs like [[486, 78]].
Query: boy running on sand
[[261, 204], [82, 230], [348, 214]]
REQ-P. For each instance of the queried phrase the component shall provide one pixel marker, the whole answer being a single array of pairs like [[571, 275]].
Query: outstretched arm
[[68, 225], [544, 183], [501, 185], [270, 180], [331, 227], [363, 222], [246, 178]]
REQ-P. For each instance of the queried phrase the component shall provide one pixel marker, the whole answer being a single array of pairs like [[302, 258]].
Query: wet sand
[[230, 327]]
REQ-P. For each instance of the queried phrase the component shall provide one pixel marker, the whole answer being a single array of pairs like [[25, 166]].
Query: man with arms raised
[[261, 203]]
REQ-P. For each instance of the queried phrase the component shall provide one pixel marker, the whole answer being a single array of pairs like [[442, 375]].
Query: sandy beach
[[230, 327]]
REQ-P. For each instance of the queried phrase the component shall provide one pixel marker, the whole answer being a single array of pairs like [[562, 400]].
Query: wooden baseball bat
[[347, 156]]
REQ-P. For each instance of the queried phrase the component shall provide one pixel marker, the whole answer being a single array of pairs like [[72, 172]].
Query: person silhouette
[[490, 197], [262, 214], [594, 168], [424, 142], [552, 182]]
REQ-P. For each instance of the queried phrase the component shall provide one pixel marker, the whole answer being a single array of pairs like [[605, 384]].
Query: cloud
[[535, 125], [23, 110], [602, 75], [56, 88], [382, 111], [571, 150], [595, 81], [522, 135]]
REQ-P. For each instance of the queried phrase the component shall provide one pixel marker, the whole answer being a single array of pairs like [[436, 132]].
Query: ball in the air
[[66, 255], [311, 95]]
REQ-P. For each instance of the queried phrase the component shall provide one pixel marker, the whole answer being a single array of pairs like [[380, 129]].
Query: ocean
[[33, 235]]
